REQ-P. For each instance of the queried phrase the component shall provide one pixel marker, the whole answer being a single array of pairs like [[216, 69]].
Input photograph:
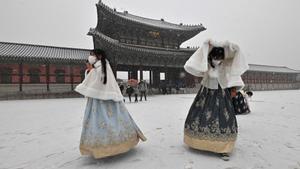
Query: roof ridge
[[37, 45], [261, 66], [191, 26], [267, 65], [164, 21]]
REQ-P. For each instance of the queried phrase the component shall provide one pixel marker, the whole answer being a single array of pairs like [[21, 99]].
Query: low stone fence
[[39, 91]]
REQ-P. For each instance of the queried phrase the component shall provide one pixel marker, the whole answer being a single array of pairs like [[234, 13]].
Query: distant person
[[169, 88], [143, 90], [121, 86], [129, 92], [163, 88], [177, 88], [248, 95], [239, 101], [135, 92]]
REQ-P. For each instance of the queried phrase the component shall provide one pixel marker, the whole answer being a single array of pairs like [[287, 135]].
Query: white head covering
[[235, 62]]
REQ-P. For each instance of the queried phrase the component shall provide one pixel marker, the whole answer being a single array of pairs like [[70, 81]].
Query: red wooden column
[[47, 76], [21, 76], [72, 77]]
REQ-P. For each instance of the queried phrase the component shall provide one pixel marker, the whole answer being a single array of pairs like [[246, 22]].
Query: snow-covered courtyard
[[44, 134]]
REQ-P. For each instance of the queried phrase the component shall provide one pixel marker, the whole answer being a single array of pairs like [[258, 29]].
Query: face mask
[[216, 62], [92, 59]]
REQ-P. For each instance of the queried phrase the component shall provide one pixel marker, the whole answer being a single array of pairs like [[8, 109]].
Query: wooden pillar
[[129, 74], [151, 77], [21, 77], [166, 74], [48, 76], [141, 73], [156, 77], [171, 72], [114, 69], [134, 74], [114, 64], [175, 75], [72, 77]]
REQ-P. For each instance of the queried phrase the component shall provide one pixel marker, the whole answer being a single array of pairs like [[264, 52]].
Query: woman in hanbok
[[108, 128], [211, 123]]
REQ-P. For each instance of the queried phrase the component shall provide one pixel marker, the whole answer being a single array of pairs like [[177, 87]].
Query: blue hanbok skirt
[[108, 129]]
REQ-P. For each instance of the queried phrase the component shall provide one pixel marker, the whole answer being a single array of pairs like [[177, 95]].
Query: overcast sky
[[268, 31]]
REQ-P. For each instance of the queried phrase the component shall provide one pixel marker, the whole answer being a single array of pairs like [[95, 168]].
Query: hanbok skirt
[[108, 129], [240, 104], [211, 123]]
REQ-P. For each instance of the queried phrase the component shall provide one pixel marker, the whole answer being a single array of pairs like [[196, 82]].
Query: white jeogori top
[[93, 87], [227, 74]]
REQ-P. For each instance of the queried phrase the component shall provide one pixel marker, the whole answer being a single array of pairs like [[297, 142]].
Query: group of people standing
[[211, 124], [134, 90]]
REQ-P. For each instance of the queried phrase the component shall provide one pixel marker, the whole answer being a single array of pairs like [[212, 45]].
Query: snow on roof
[[30, 51], [19, 50], [268, 68], [151, 22], [157, 23]]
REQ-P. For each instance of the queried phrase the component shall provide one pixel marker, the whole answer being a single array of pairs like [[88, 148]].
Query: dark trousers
[[136, 97], [143, 93], [129, 96]]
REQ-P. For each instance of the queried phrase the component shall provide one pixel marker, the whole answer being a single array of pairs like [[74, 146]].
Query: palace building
[[136, 44], [41, 71], [133, 44]]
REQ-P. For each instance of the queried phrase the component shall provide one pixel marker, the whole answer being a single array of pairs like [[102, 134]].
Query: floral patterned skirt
[[211, 123], [108, 129]]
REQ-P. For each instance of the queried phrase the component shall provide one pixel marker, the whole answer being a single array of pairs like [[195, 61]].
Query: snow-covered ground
[[38, 134]]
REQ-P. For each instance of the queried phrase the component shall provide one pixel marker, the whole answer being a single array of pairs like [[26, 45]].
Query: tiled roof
[[112, 43], [19, 51], [28, 51], [268, 68], [151, 22]]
